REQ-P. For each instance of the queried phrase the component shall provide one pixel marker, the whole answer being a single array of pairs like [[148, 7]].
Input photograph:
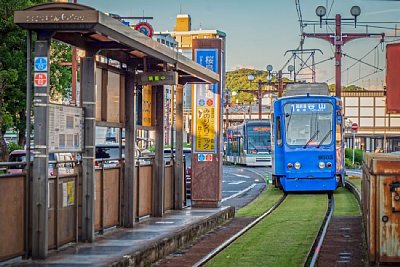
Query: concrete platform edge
[[174, 241]]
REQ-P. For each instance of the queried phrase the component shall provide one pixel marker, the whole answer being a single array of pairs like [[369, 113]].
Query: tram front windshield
[[259, 139], [308, 124]]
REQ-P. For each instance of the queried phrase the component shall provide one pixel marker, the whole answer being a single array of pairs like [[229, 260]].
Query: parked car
[[62, 168], [107, 155]]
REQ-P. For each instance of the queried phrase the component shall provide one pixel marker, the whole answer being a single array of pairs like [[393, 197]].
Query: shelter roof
[[90, 29]]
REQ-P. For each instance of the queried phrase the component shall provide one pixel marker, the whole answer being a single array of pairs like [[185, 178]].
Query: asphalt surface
[[241, 184]]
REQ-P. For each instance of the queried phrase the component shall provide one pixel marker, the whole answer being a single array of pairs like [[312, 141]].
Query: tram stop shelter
[[108, 99]]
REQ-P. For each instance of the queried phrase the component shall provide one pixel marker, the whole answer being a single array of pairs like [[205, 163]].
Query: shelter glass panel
[[113, 97]]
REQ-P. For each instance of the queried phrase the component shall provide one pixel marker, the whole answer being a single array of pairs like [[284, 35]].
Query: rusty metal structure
[[381, 207]]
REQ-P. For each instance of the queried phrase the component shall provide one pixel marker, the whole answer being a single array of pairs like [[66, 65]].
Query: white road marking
[[239, 193], [238, 182], [240, 175]]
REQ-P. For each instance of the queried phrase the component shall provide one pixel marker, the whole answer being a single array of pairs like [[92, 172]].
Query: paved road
[[241, 184]]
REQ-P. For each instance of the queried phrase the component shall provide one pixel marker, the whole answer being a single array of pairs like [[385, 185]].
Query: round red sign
[[40, 79], [144, 28], [210, 102], [354, 126]]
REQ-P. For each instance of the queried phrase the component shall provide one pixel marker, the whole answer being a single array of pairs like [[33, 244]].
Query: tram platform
[[141, 245]]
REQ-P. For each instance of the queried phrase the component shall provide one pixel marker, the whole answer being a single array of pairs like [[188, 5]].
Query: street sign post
[[354, 129]]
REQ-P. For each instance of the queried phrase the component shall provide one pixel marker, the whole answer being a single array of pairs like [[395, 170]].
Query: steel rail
[[221, 247], [320, 238], [354, 190]]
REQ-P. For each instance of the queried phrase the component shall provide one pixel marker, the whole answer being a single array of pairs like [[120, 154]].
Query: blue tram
[[307, 143], [249, 143]]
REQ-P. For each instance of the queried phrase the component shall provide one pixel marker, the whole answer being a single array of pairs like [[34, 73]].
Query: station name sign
[[76, 16], [158, 78]]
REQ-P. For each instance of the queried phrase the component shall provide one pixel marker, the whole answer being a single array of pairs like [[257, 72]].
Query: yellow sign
[[71, 193], [205, 132], [146, 105]]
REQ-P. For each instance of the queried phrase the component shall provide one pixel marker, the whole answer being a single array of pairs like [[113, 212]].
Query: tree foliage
[[347, 88], [238, 79], [12, 70]]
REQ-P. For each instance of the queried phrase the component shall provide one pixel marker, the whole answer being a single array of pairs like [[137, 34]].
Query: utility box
[[381, 207]]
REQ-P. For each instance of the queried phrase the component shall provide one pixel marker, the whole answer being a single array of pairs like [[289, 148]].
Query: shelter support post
[[178, 167], [40, 179], [88, 95], [129, 205], [159, 172]]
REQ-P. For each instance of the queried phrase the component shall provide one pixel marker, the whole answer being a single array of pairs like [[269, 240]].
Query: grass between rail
[[345, 203], [262, 203], [281, 239]]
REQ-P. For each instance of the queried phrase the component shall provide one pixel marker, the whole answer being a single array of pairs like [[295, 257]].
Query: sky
[[259, 32]]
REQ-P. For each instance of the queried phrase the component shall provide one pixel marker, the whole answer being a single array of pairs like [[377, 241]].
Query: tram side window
[[278, 131]]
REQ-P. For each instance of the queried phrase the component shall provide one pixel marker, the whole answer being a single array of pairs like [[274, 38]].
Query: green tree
[[12, 71]]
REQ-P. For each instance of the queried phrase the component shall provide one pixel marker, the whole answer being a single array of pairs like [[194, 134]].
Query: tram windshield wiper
[[311, 138], [323, 139], [290, 117]]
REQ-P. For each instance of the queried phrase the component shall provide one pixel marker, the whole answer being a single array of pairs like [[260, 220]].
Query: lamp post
[[338, 39], [260, 93]]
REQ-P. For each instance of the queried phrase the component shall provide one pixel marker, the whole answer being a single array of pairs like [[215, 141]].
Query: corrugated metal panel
[[393, 78]]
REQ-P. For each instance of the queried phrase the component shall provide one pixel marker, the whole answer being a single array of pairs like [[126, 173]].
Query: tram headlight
[[321, 165], [329, 165], [297, 165], [290, 165]]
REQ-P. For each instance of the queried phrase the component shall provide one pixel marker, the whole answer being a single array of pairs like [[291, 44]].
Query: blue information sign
[[208, 58], [201, 157], [40, 63]]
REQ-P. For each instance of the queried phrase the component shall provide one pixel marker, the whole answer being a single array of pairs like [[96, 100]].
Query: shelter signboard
[[65, 128], [205, 99]]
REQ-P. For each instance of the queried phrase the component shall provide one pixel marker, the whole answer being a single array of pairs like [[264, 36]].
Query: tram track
[[221, 247], [340, 241], [313, 253]]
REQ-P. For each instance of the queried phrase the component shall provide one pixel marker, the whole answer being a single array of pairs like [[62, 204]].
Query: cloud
[[382, 12], [240, 66]]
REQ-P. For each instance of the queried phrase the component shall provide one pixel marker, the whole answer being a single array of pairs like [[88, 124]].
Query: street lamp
[[338, 39]]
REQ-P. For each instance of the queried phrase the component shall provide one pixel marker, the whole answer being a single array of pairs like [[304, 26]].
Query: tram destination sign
[[309, 107], [158, 78]]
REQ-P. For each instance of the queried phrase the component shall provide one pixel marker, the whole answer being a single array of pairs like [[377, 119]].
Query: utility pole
[[338, 39]]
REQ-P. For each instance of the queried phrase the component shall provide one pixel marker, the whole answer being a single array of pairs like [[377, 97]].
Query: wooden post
[[129, 208], [178, 167], [88, 100], [159, 173], [40, 163]]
